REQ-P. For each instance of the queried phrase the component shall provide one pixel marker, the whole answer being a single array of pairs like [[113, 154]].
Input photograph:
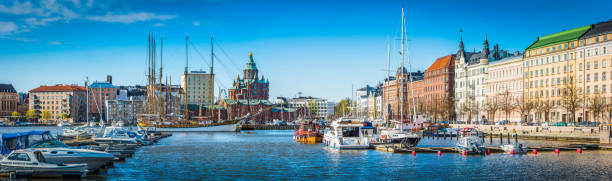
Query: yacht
[[34, 163], [349, 133], [397, 135], [116, 135], [54, 150]]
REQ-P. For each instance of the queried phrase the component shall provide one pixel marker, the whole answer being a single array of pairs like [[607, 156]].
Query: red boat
[[308, 133]]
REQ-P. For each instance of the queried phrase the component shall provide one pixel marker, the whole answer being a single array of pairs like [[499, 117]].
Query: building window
[[603, 88], [596, 76], [596, 64], [588, 77], [565, 46], [572, 44], [580, 66], [603, 76]]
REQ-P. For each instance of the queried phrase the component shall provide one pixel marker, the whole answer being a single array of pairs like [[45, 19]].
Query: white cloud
[[130, 17], [196, 23], [7, 27], [159, 24], [41, 21], [19, 8], [55, 43]]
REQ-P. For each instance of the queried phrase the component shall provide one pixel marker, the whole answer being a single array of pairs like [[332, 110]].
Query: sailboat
[[399, 133], [156, 118]]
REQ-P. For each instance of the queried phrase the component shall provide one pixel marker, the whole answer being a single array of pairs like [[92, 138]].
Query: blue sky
[[319, 48]]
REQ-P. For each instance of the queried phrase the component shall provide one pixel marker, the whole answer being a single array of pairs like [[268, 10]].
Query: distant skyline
[[319, 48]]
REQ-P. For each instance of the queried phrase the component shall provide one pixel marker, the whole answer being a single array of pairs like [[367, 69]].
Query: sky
[[320, 48]]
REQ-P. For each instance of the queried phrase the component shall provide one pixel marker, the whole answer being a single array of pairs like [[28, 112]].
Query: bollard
[[491, 138], [508, 139], [557, 151], [413, 153], [579, 150], [535, 152], [439, 153], [516, 138], [501, 138]]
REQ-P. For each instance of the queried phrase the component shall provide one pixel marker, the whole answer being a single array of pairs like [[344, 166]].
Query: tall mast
[[388, 76], [161, 65], [186, 77], [154, 54], [87, 99], [212, 78], [402, 75]]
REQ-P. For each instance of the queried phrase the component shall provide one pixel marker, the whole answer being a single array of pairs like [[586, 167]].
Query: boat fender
[[511, 152], [557, 151], [579, 150], [488, 152], [464, 153], [439, 153], [413, 153]]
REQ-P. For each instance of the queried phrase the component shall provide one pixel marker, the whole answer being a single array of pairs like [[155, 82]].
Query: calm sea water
[[272, 155]]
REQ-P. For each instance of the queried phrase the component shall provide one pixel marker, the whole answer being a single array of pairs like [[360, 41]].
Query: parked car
[[559, 124]]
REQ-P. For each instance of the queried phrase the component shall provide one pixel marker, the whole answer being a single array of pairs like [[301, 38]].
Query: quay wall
[[545, 132]]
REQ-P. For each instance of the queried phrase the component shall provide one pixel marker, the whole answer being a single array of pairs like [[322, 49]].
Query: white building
[[505, 86], [120, 110], [362, 100], [471, 76], [319, 107]]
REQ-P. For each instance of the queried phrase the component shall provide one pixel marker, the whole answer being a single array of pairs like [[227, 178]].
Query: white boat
[[116, 135], [400, 134], [33, 162], [54, 150], [514, 148], [470, 143], [349, 133]]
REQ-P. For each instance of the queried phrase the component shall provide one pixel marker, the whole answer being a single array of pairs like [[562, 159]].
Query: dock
[[395, 148]]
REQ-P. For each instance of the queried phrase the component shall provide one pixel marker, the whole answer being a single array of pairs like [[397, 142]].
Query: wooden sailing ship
[[161, 112]]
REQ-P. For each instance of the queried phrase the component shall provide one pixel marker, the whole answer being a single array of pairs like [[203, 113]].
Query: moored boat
[[349, 133], [32, 162], [309, 133], [470, 143], [514, 148], [54, 150]]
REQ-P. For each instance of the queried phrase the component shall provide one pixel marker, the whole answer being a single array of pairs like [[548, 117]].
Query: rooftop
[[101, 85], [7, 88], [555, 38], [58, 88], [598, 29], [441, 63]]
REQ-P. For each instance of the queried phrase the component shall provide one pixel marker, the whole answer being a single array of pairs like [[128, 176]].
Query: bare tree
[[596, 105], [545, 107], [570, 99], [491, 108], [507, 105], [525, 107], [447, 108]]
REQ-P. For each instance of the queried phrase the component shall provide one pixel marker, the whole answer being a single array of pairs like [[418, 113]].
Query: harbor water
[[272, 155]]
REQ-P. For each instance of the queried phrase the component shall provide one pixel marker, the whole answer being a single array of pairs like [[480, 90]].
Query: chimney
[[109, 79]]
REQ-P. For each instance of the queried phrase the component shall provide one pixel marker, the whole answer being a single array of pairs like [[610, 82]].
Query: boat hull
[[217, 128], [38, 171], [308, 139]]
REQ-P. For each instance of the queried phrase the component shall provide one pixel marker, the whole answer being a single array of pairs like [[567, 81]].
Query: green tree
[[15, 113], [312, 107], [343, 107], [64, 116], [31, 114], [46, 115]]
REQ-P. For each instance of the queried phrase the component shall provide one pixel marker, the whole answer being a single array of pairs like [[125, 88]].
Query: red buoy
[[535, 152], [556, 150], [464, 153], [439, 153], [488, 152], [413, 153], [579, 150], [512, 152]]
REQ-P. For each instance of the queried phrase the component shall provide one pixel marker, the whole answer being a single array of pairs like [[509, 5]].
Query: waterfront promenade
[[569, 133]]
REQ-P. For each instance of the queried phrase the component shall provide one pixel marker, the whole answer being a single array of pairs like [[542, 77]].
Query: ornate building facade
[[250, 86]]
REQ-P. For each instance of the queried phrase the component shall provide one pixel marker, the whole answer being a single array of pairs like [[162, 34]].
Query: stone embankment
[[561, 133]]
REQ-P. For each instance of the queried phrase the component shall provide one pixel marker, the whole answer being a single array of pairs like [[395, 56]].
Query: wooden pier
[[395, 148]]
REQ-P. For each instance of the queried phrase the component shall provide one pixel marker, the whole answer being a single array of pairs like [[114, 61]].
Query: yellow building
[[197, 86]]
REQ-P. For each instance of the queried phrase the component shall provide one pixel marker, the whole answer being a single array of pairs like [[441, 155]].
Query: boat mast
[[402, 74], [161, 65], [388, 77], [212, 78], [186, 77], [87, 99]]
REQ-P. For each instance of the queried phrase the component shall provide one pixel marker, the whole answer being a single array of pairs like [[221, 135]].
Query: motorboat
[[514, 148], [116, 135], [33, 162], [54, 150], [470, 145], [349, 133], [309, 133], [469, 142], [399, 135]]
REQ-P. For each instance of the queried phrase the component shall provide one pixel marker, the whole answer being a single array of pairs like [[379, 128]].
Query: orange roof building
[[59, 102]]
